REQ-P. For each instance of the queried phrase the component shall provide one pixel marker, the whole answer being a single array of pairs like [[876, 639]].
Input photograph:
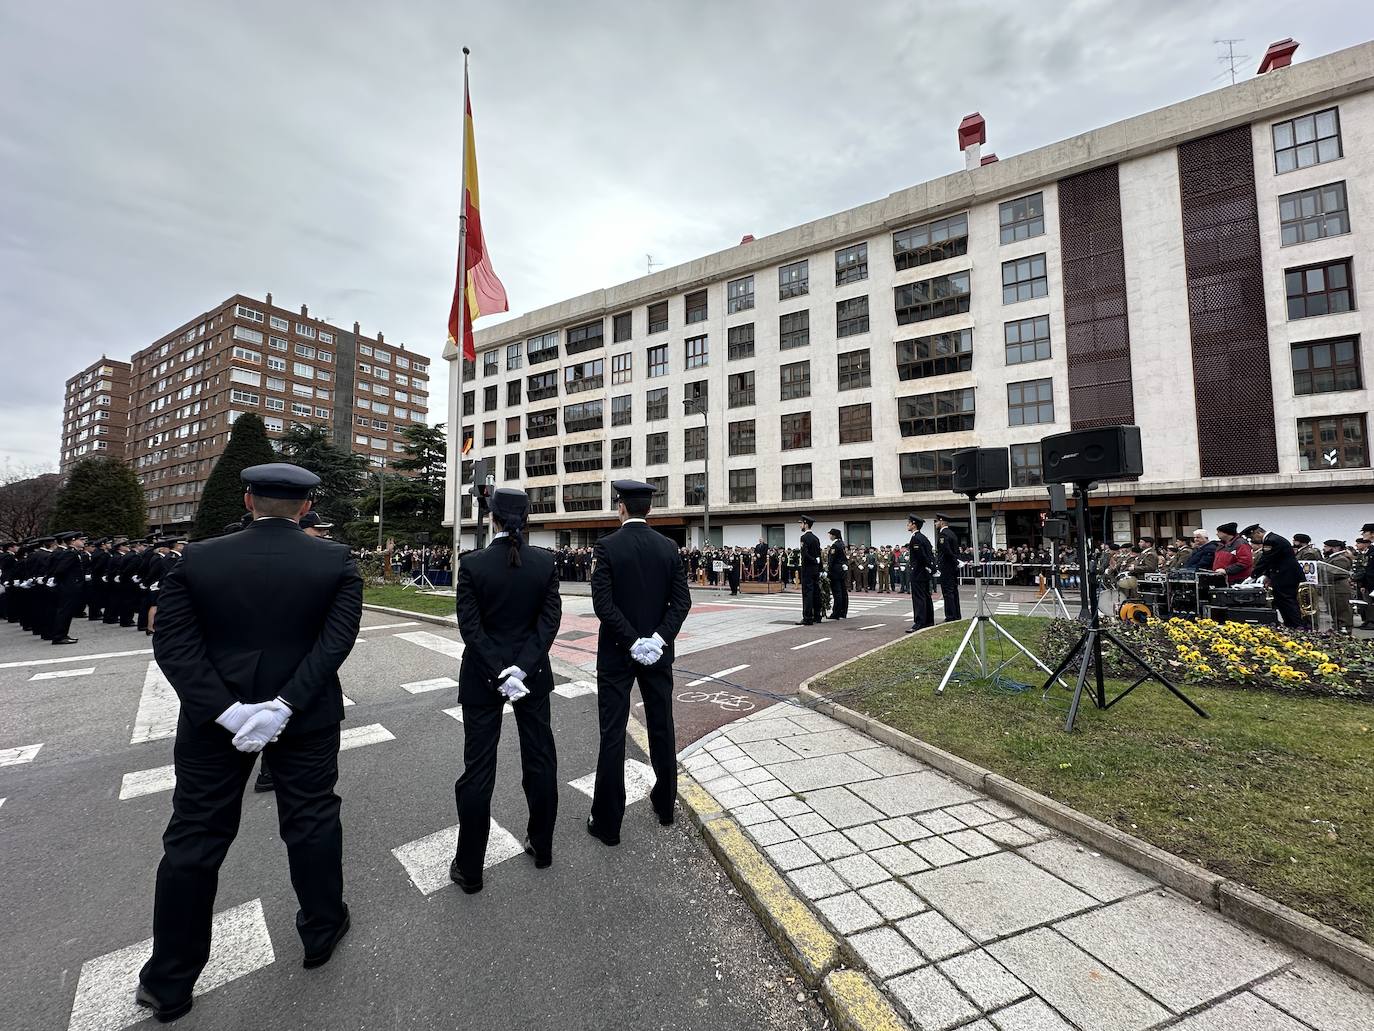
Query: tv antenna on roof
[[1230, 59], [650, 263]]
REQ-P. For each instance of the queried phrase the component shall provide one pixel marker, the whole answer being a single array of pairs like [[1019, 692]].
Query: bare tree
[[26, 501]]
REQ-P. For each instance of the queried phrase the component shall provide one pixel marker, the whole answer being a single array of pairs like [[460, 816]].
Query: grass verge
[[412, 601], [1275, 791]]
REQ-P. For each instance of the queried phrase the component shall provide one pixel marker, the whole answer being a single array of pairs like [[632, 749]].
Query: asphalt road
[[646, 935]]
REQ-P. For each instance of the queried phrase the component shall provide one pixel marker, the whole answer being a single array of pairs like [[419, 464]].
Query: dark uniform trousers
[[539, 777], [949, 587], [922, 605], [840, 604], [613, 707], [211, 776]]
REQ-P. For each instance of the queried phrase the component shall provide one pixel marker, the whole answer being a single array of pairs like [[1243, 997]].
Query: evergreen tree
[[103, 497], [221, 502], [426, 454], [341, 473]]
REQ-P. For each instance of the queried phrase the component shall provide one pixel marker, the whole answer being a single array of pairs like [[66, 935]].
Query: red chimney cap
[[746, 238], [1279, 55], [988, 159], [973, 129]]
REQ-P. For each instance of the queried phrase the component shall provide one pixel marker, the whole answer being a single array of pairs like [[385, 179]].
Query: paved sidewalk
[[973, 916]]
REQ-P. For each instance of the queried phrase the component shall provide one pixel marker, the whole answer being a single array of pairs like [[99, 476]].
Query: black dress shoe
[[540, 862], [604, 839], [322, 957], [912, 629], [456, 876], [666, 821], [264, 781], [804, 622], [65, 640], [163, 1014]]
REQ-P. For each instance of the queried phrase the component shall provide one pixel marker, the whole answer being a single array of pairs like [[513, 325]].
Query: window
[[856, 478], [622, 367], [851, 264], [937, 355], [740, 437], [305, 331], [542, 462], [582, 458], [658, 361], [1023, 279], [621, 326], [1306, 141], [252, 336], [927, 470], [695, 349], [1319, 289], [694, 444], [276, 404], [513, 429], [1333, 442], [794, 381], [794, 280], [934, 241], [658, 317], [695, 307], [794, 330], [932, 298], [656, 404], [490, 398], [585, 376], [277, 322], [401, 363], [945, 411], [656, 449], [698, 391], [1022, 218], [744, 487], [854, 370], [363, 349], [513, 393], [1028, 340], [377, 407], [276, 364], [622, 451], [297, 408], [856, 423], [586, 338], [693, 488], [244, 397], [660, 486], [491, 363], [622, 410], [325, 356], [382, 356], [512, 468], [515, 356], [302, 390], [584, 416], [1326, 366], [321, 394], [302, 370], [382, 373], [740, 341], [1313, 214], [796, 431], [1030, 403], [541, 349], [246, 355], [851, 316], [543, 500], [796, 483], [541, 424], [1026, 470], [740, 389], [739, 295], [273, 425], [252, 379], [360, 438], [542, 386], [276, 343], [489, 433]]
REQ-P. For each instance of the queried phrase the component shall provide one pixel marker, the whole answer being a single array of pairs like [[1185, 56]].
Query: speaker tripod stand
[[1052, 595], [420, 581]]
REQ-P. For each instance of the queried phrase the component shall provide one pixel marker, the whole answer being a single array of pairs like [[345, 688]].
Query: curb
[[423, 617], [1246, 906]]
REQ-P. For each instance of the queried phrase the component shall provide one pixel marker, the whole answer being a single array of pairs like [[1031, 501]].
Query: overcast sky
[[156, 158]]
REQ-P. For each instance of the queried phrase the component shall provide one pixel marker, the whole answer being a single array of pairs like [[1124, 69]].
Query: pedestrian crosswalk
[[436, 684], [62, 674], [158, 708], [434, 642], [19, 756]]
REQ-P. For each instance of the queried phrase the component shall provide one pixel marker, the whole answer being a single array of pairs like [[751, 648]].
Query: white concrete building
[[1195, 270]]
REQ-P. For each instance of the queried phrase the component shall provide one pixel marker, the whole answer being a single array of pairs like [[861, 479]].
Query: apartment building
[[1193, 270], [95, 413]]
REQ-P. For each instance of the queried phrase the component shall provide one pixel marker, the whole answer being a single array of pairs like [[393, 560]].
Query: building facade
[[95, 413], [1194, 271]]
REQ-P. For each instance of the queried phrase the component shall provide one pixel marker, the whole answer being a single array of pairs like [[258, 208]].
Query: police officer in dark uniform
[[1275, 559], [9, 565], [949, 567], [837, 568], [95, 579], [640, 594], [66, 583], [251, 631], [920, 565], [509, 611], [40, 597], [812, 612]]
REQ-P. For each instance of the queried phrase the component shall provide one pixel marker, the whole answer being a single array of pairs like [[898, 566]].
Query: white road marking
[[356, 737], [147, 782], [874, 626], [457, 711], [808, 644], [717, 675], [158, 708], [437, 684], [639, 780], [575, 688], [435, 643], [104, 999], [348, 701], [426, 860], [73, 658], [59, 674], [19, 756], [388, 626]]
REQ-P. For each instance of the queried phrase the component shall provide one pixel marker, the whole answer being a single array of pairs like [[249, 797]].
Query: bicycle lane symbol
[[722, 699]]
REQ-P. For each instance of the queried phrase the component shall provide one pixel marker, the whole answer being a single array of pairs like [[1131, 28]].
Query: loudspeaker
[[1255, 617], [980, 470], [1090, 456]]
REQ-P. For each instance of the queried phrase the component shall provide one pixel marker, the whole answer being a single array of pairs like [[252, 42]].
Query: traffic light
[[481, 488]]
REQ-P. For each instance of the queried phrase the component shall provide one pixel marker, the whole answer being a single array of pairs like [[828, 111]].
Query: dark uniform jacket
[[836, 560], [949, 551], [1277, 561], [266, 612], [921, 557], [66, 571], [509, 616], [810, 554], [639, 589]]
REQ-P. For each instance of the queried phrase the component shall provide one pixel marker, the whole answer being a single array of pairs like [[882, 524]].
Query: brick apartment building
[[95, 413]]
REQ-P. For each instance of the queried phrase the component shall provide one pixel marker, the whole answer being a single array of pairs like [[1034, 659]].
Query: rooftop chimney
[[269, 298], [305, 312], [973, 133], [1279, 55], [746, 238], [988, 158], [379, 337], [356, 327]]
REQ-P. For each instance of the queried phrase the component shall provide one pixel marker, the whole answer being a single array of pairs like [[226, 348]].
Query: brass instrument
[[1308, 597]]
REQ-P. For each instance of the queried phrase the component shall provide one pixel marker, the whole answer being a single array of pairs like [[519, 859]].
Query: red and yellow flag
[[482, 291]]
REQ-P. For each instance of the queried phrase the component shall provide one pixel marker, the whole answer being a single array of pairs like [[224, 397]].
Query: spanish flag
[[476, 280]]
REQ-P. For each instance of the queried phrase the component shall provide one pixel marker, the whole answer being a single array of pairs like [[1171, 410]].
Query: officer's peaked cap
[[280, 480], [1251, 529], [626, 490]]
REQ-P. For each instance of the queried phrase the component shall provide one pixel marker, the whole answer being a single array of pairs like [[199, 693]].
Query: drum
[[1127, 583]]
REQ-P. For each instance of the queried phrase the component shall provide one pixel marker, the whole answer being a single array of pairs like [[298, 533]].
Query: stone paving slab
[[999, 895], [1243, 1012], [910, 793], [1322, 998]]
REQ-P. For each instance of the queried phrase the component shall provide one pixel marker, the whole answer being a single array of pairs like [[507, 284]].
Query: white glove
[[233, 718], [262, 726], [845, 568], [52, 581], [116, 579], [88, 577], [513, 689], [648, 650]]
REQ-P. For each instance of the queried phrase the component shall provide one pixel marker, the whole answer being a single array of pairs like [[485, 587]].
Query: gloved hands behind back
[[648, 650], [512, 686]]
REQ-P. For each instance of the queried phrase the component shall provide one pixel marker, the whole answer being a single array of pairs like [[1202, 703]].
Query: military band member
[[1336, 554], [948, 550], [920, 569], [509, 611], [837, 565], [252, 629], [1147, 561], [640, 594], [1304, 549], [885, 570], [812, 612]]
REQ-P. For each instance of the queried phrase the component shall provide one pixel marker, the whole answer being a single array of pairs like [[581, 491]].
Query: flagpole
[[456, 431]]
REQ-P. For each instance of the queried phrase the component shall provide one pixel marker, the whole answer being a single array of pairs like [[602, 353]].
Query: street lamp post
[[381, 502], [690, 405]]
